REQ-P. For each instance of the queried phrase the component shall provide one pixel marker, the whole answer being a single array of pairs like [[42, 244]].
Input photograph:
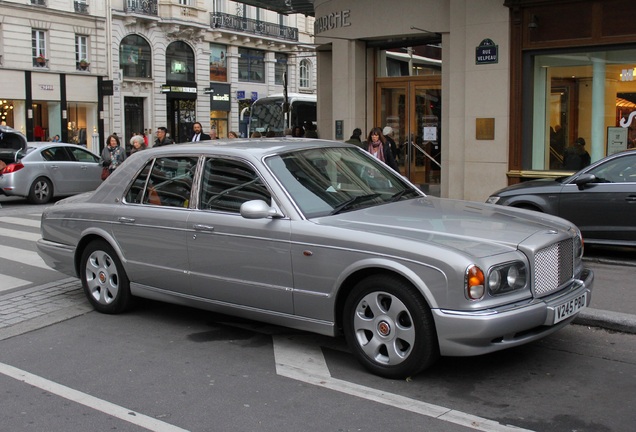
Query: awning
[[286, 7]]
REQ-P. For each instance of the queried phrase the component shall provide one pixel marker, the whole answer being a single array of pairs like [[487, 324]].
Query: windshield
[[267, 115], [332, 180]]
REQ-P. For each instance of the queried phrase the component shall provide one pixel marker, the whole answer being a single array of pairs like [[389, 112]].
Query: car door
[[605, 209], [150, 225], [59, 166], [232, 259], [86, 170]]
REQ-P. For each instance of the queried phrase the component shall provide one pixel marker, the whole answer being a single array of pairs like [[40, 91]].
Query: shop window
[[576, 94], [251, 65], [179, 62], [135, 57], [280, 68], [410, 61], [38, 48], [305, 74]]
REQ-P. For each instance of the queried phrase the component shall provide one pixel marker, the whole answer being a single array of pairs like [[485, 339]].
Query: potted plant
[[84, 64], [40, 60]]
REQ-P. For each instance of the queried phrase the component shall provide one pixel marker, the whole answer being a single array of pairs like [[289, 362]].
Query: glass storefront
[[578, 94]]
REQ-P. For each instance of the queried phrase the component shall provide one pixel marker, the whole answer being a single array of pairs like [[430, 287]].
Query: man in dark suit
[[197, 133]]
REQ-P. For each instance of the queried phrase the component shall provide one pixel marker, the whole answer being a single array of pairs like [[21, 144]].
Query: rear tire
[[103, 278], [389, 327], [41, 191]]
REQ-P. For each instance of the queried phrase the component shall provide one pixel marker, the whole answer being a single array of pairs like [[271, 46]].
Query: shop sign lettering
[[46, 87], [332, 21]]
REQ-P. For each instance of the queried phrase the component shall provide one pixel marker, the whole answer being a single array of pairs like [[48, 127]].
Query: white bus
[[267, 114]]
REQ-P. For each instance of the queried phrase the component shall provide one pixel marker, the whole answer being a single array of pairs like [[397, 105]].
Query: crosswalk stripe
[[22, 235], [22, 256], [9, 282], [21, 221]]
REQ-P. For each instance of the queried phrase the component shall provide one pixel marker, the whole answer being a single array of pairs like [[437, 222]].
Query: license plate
[[569, 308]]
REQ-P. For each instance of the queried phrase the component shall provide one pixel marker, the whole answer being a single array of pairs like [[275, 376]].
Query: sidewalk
[[613, 304]]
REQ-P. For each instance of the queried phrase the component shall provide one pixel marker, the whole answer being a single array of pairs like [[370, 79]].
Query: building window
[[179, 62], [134, 57], [38, 48], [251, 65], [81, 52], [280, 68], [577, 94], [184, 2], [304, 80]]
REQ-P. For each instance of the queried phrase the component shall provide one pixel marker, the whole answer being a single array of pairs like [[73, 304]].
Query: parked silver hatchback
[[320, 236], [43, 170]]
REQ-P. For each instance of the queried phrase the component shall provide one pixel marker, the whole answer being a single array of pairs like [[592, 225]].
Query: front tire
[[389, 327], [41, 191], [104, 279]]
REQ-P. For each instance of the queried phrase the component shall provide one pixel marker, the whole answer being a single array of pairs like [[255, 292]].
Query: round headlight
[[494, 281], [516, 278]]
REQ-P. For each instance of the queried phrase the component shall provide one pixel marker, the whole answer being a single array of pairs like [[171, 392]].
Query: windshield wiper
[[398, 195], [355, 200]]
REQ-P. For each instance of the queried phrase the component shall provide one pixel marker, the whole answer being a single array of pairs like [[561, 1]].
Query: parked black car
[[600, 199]]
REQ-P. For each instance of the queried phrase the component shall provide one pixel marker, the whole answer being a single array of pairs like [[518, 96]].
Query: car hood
[[527, 186], [471, 227]]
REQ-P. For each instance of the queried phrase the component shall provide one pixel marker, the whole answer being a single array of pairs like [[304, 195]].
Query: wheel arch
[[89, 237], [404, 273]]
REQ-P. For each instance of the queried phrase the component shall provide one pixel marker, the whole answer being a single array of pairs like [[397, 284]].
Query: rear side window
[[56, 154], [164, 182]]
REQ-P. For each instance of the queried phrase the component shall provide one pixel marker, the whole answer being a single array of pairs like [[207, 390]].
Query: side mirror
[[257, 209], [584, 179]]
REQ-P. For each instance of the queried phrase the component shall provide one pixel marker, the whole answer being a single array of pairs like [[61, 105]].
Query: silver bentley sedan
[[320, 236]]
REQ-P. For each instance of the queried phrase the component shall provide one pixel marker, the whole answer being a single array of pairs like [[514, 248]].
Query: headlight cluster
[[507, 277], [501, 279]]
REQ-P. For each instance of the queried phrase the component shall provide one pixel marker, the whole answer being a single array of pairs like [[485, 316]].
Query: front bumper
[[473, 333]]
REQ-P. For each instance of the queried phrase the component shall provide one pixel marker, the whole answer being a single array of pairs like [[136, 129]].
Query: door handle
[[201, 227], [126, 220]]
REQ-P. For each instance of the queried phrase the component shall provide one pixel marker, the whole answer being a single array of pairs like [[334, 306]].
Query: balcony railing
[[38, 2], [144, 7], [81, 6], [225, 21]]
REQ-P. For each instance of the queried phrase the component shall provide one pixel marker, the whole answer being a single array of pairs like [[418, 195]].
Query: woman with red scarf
[[380, 148]]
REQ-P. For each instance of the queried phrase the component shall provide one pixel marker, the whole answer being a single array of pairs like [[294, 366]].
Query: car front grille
[[553, 266]]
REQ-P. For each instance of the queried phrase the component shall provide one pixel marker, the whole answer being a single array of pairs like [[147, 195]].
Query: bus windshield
[[266, 114]]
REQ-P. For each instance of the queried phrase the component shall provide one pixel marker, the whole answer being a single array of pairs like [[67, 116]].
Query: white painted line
[[89, 401], [8, 282], [302, 360], [22, 235], [21, 221], [22, 256]]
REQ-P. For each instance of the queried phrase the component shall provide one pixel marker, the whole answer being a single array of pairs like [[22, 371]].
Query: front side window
[[179, 62], [251, 65], [228, 183], [135, 57], [573, 95], [38, 48], [280, 68]]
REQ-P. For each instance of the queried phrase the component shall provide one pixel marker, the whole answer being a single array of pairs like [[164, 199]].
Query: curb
[[617, 321]]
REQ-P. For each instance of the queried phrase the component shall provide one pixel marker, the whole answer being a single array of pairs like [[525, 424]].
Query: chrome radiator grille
[[553, 266]]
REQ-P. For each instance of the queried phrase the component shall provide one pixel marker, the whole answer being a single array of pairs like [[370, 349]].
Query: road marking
[[301, 359], [89, 401], [22, 235], [21, 221], [23, 257], [9, 282]]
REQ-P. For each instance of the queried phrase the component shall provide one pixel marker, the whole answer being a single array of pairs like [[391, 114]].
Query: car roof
[[256, 147]]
